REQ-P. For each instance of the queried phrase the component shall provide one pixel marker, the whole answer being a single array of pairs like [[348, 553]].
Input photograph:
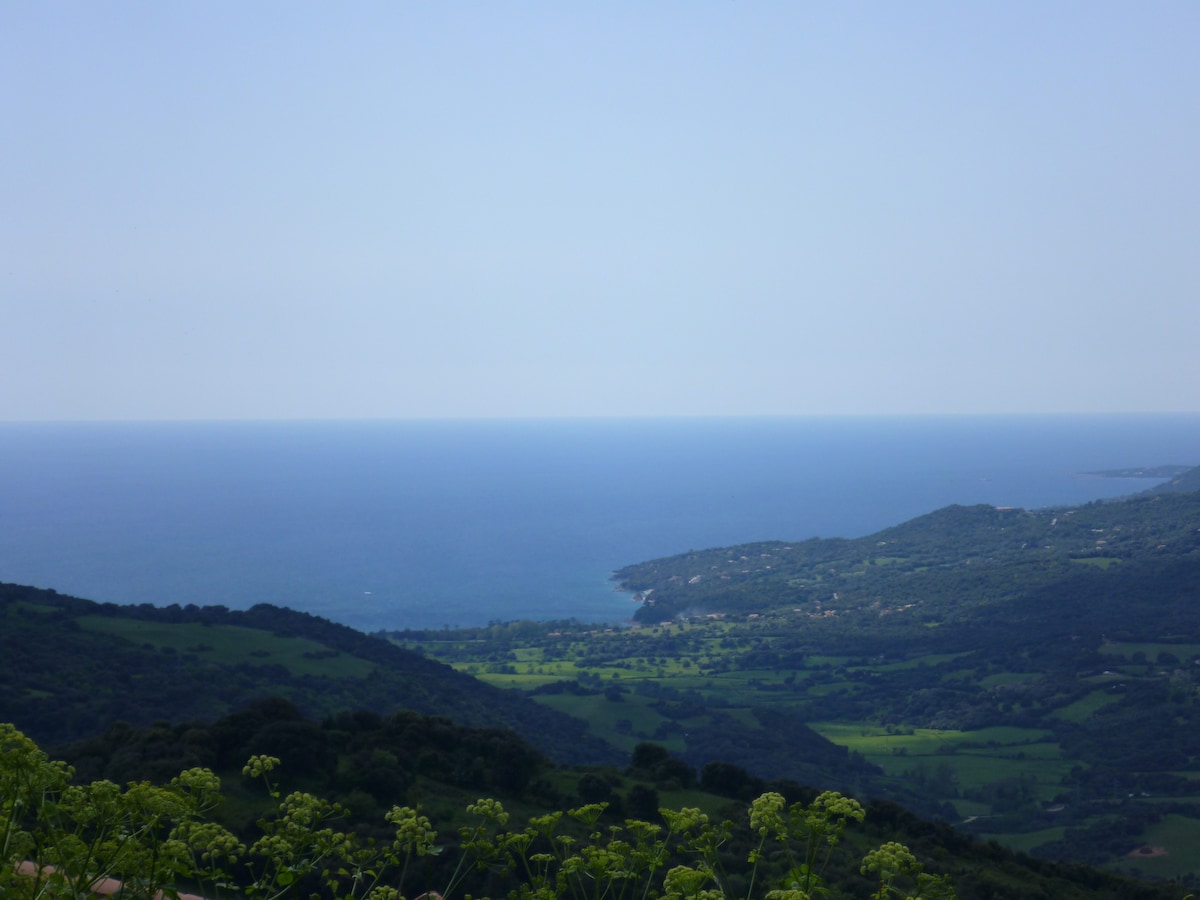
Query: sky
[[273, 210]]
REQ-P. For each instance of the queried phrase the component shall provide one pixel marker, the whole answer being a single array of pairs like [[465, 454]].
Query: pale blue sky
[[294, 210]]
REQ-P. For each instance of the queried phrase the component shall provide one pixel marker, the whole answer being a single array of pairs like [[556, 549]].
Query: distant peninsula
[[1142, 472]]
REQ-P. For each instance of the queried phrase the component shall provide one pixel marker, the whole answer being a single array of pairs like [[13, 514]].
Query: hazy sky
[[265, 210]]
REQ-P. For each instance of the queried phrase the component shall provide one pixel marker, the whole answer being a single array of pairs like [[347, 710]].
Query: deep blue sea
[[431, 523]]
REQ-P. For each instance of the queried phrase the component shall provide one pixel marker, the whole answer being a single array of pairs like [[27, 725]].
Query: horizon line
[[605, 417]]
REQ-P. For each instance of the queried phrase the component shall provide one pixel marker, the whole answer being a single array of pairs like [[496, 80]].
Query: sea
[[384, 525]]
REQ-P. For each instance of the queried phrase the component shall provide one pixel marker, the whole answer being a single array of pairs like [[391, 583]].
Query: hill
[[73, 667], [1180, 482], [1006, 550]]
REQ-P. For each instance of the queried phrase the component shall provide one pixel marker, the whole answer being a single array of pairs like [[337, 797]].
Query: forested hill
[[72, 667], [1182, 482], [955, 565]]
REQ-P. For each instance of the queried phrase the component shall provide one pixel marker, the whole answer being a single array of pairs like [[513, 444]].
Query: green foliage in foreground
[[59, 839]]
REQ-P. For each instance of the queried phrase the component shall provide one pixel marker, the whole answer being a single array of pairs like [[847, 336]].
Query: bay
[[397, 524]]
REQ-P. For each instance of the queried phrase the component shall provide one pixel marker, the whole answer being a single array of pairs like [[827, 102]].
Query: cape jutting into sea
[[395, 524]]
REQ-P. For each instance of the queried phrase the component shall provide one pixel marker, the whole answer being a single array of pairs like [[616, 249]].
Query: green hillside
[[73, 667]]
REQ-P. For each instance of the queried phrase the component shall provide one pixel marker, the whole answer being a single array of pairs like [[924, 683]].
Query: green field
[[960, 761], [233, 644], [871, 740], [1099, 562], [1028, 840], [1171, 849], [1005, 679], [606, 718], [1086, 706], [975, 771], [929, 659]]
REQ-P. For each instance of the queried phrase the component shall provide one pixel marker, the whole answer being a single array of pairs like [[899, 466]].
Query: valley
[[1030, 677], [1026, 680]]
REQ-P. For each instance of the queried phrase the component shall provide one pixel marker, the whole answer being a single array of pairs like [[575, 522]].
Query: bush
[[58, 839]]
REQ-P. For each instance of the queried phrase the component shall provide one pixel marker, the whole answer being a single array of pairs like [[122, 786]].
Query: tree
[[642, 803], [647, 755]]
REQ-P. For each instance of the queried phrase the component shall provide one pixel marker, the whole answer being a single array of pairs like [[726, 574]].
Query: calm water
[[421, 524]]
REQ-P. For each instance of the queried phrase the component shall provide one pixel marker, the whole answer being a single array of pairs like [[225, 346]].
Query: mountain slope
[[72, 667]]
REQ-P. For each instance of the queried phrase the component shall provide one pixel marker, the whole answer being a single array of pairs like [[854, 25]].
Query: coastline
[[400, 525]]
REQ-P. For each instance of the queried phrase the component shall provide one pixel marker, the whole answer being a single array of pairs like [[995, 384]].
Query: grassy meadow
[[233, 645]]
